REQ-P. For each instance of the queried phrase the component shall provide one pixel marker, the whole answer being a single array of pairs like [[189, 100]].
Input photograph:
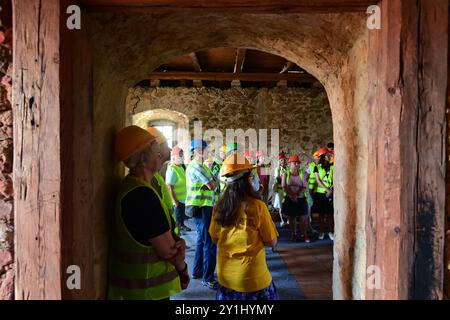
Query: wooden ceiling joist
[[288, 66], [195, 62], [222, 76], [250, 6], [240, 60]]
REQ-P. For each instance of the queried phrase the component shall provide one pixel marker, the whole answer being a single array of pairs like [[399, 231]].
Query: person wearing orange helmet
[[147, 257], [295, 186], [241, 227], [323, 194], [158, 181]]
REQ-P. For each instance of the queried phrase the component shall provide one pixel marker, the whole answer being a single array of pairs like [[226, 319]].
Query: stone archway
[[68, 97], [332, 47]]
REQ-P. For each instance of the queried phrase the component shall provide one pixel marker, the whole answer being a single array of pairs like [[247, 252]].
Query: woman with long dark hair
[[241, 227]]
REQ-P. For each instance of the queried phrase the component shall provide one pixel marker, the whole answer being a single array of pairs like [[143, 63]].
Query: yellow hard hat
[[223, 148], [160, 139], [130, 140], [234, 163]]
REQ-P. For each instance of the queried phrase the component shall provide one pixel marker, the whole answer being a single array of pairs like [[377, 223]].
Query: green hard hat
[[232, 147]]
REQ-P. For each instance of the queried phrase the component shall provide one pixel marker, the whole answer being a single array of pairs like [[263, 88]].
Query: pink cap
[[176, 151]]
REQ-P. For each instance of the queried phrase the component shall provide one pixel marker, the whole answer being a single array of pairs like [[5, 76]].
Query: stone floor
[[299, 270]]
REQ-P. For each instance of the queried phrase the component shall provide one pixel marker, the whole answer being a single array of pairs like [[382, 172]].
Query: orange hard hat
[[322, 151], [176, 151], [160, 139], [130, 140], [234, 163], [294, 158]]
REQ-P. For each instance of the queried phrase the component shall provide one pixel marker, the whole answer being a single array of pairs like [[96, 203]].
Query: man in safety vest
[[200, 198], [176, 182], [147, 257], [217, 167], [323, 196]]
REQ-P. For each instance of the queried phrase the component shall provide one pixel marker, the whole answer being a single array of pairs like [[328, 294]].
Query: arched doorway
[[391, 221], [336, 72]]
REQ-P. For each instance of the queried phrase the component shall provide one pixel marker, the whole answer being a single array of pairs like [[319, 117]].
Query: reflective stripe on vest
[[166, 198], [198, 194], [143, 283], [179, 189], [327, 178], [136, 272]]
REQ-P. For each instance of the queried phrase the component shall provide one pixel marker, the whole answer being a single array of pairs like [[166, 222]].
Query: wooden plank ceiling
[[229, 67], [253, 6]]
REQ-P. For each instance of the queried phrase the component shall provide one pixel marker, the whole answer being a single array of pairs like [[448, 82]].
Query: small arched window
[[168, 129]]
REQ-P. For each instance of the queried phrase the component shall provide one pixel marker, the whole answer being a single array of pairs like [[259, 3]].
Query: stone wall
[[6, 153], [303, 116]]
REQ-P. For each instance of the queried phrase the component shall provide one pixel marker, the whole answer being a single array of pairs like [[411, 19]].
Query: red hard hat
[[259, 153], [281, 156], [294, 158], [176, 151], [322, 151]]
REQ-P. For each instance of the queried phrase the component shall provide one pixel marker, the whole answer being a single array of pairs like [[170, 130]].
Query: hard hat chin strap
[[234, 178]]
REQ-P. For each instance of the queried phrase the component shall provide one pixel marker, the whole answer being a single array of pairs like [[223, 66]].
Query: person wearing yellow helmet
[[147, 257], [241, 227]]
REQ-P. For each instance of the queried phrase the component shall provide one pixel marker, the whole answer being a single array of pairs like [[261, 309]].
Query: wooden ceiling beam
[[288, 66], [195, 62], [222, 76], [240, 60], [197, 68], [249, 6]]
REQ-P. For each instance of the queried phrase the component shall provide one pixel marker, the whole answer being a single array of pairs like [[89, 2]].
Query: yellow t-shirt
[[241, 262]]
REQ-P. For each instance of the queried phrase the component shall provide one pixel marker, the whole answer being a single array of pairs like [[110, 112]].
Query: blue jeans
[[205, 251], [179, 212]]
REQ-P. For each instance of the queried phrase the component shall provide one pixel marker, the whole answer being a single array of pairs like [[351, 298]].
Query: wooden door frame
[[407, 102], [53, 201]]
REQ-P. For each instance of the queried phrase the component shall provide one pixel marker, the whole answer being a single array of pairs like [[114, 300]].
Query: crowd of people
[[228, 196]]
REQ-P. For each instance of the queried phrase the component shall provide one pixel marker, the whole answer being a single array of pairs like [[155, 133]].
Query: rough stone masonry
[[6, 156], [302, 115]]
